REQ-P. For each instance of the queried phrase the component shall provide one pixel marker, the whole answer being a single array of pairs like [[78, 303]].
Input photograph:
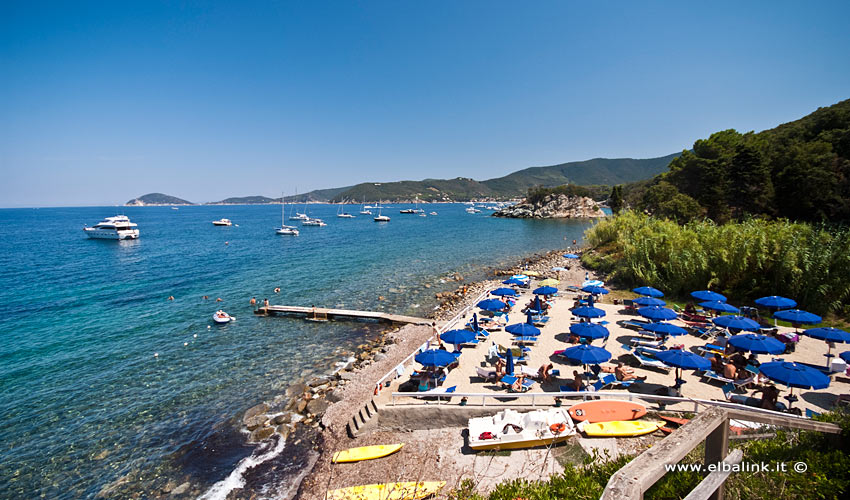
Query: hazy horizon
[[102, 102]]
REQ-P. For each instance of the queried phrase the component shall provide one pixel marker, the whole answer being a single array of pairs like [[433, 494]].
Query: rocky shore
[[554, 206]]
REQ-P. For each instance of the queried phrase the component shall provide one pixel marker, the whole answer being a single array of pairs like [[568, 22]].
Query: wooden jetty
[[325, 314]]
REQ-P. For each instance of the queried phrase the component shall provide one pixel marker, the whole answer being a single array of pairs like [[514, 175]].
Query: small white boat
[[510, 429], [423, 214], [313, 222], [174, 208], [433, 213], [113, 228], [284, 229], [222, 222], [471, 210], [380, 217], [222, 317]]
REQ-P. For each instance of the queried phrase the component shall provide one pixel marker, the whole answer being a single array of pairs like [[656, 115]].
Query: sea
[[108, 388]]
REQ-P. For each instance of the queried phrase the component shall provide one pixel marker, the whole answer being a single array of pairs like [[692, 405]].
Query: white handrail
[[584, 395], [447, 326]]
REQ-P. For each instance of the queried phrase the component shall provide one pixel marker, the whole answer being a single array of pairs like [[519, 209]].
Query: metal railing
[[446, 326], [533, 398]]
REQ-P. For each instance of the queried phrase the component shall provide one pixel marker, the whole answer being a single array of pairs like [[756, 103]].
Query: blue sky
[[102, 102]]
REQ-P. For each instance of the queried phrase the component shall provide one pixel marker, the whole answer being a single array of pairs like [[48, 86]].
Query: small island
[[156, 199]]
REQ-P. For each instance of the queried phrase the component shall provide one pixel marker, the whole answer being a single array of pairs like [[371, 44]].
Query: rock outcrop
[[554, 206]]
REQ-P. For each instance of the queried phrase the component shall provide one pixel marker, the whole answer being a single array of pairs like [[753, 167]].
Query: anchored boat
[[222, 317]]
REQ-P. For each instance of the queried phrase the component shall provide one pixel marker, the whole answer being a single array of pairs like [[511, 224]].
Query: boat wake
[[236, 479]]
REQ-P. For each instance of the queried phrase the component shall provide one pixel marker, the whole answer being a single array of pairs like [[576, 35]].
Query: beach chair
[[528, 340], [489, 375], [646, 343], [633, 324], [714, 376], [710, 349], [645, 360], [569, 388], [510, 380]]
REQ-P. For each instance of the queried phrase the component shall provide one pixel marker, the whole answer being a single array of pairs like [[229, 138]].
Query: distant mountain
[[595, 172], [246, 200], [157, 199]]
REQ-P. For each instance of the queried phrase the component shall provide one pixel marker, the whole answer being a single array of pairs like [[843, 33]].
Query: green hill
[[799, 170], [157, 199], [246, 200], [599, 171]]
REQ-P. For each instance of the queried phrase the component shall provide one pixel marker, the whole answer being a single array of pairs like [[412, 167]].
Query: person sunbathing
[[730, 371], [578, 381], [500, 368], [517, 385], [717, 363], [543, 373], [624, 374], [769, 396]]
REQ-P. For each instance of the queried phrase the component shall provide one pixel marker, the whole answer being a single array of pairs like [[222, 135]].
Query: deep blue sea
[[83, 400]]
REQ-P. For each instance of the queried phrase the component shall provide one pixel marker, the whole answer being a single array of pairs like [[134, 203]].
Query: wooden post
[[716, 449]]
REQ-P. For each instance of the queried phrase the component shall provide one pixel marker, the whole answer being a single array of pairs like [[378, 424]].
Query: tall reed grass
[[744, 261]]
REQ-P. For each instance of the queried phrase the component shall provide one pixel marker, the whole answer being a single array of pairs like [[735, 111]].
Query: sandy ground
[[441, 454]]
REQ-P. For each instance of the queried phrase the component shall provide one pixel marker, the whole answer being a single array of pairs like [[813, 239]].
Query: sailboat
[[284, 229], [299, 215], [379, 217], [364, 210], [416, 210], [341, 213]]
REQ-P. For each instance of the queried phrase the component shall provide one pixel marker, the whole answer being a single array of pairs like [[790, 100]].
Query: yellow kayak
[[365, 453], [389, 491], [621, 428]]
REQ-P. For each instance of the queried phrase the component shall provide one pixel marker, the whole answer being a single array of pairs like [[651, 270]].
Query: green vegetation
[[799, 171], [744, 261], [827, 476], [246, 200], [158, 199], [616, 199], [598, 193]]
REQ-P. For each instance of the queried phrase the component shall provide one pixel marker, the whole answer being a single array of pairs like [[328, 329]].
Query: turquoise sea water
[[84, 401]]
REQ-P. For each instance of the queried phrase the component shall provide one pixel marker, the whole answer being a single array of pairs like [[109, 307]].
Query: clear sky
[[102, 102]]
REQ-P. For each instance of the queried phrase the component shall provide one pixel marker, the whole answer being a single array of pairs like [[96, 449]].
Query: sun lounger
[[438, 390], [487, 374], [710, 349], [712, 375], [646, 343], [525, 340], [641, 355], [510, 380], [754, 402], [633, 324]]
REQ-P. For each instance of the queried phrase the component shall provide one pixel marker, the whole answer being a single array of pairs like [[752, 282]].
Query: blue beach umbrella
[[705, 295], [794, 375], [586, 354], [513, 281], [776, 302], [595, 290], [571, 256], [829, 335], [545, 290], [845, 356], [524, 329], [492, 305], [435, 357], [649, 301], [475, 327], [590, 331], [716, 305], [758, 344], [509, 362], [504, 292], [657, 313], [665, 329], [797, 316], [737, 323], [588, 312], [686, 360], [457, 336], [648, 291]]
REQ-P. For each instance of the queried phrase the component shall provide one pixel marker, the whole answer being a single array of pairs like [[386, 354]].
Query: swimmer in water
[[253, 301], [277, 290], [171, 297], [205, 297], [218, 299]]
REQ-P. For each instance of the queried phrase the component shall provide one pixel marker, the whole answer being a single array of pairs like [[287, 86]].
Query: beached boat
[[222, 317], [389, 491], [510, 429], [619, 428], [284, 229], [365, 453], [222, 222], [113, 228]]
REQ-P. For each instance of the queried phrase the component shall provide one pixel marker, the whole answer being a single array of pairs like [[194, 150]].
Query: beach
[[433, 431]]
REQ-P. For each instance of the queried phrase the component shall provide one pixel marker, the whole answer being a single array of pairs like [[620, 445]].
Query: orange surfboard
[[606, 411]]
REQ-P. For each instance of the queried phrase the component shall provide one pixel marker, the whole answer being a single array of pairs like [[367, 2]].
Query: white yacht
[[284, 229], [113, 228], [342, 214], [313, 222], [299, 215], [222, 222]]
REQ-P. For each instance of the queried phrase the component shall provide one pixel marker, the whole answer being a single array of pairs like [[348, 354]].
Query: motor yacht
[[313, 222], [113, 228], [222, 222]]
